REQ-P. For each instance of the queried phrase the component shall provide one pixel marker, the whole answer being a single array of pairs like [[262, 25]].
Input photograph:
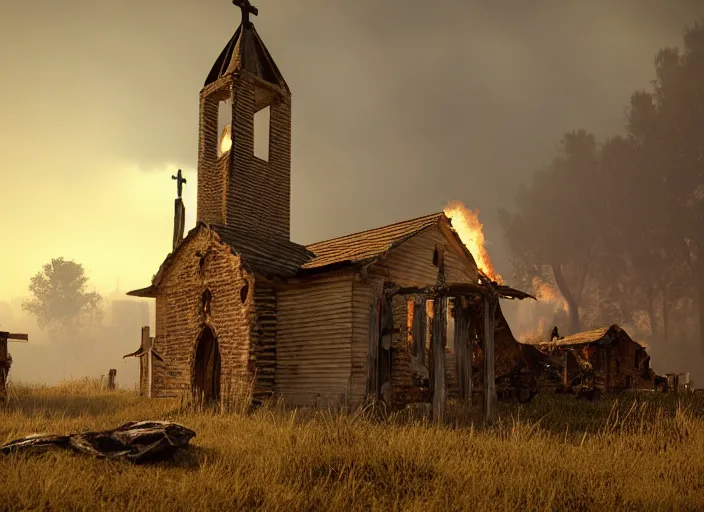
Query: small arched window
[[244, 292], [206, 299]]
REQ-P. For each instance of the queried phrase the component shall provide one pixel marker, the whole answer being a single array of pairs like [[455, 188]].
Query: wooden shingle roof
[[366, 246], [264, 256], [601, 336], [246, 51]]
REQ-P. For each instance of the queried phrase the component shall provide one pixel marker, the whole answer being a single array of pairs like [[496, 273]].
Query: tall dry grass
[[635, 453]]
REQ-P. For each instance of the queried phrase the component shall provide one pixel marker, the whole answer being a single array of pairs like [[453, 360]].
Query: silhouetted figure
[[554, 335]]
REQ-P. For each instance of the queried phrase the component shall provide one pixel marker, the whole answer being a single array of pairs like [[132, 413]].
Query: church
[[343, 322]]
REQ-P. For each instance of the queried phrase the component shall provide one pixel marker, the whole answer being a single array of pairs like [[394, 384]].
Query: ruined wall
[[402, 381], [180, 318], [314, 341], [624, 371], [615, 366], [404, 378]]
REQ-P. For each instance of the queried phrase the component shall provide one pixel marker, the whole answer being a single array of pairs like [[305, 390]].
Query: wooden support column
[[564, 370], [385, 355], [373, 351], [489, 359], [111, 378], [463, 351], [4, 367], [439, 341], [147, 351], [419, 327]]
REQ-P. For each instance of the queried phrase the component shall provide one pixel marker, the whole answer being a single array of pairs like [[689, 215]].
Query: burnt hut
[[340, 322], [607, 355]]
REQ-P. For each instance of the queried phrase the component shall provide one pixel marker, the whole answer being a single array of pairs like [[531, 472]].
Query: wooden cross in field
[[246, 8], [146, 352], [5, 359]]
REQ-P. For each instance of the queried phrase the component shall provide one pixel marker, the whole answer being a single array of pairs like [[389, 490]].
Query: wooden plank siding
[[411, 263], [263, 336], [363, 299], [314, 341]]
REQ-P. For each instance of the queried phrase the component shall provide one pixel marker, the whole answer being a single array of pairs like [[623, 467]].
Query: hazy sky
[[398, 107]]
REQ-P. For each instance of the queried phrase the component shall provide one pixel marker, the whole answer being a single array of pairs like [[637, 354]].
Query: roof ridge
[[386, 226]]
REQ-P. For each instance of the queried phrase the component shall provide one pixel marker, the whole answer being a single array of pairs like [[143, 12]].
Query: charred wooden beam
[[460, 289], [439, 341], [385, 351], [489, 358], [463, 351], [8, 336], [419, 327], [440, 291]]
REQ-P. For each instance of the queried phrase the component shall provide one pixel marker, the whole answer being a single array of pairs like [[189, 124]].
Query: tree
[[61, 303], [667, 126], [636, 251], [553, 233]]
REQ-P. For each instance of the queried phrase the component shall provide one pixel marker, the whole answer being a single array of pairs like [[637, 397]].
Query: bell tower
[[248, 193]]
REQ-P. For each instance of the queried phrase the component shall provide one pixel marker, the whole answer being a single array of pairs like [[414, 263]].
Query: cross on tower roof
[[180, 180], [246, 8]]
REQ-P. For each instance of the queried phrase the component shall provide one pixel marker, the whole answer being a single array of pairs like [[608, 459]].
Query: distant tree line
[[618, 226]]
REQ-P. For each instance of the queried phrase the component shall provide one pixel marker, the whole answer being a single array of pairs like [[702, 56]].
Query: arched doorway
[[206, 367]]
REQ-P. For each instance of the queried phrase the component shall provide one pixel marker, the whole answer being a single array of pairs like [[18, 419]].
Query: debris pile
[[136, 441]]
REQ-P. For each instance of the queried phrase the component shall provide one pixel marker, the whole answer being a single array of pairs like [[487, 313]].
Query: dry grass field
[[642, 453]]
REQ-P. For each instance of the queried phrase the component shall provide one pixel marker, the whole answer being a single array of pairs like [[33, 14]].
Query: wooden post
[[439, 341], [564, 370], [373, 351], [385, 354], [147, 350], [4, 367], [419, 326], [111, 378], [489, 359], [179, 221], [463, 351]]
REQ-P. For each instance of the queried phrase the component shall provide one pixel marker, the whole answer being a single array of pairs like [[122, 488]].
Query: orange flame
[[226, 140], [471, 231], [547, 293]]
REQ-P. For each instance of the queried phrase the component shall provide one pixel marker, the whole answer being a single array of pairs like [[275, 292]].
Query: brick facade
[[199, 264], [238, 189]]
